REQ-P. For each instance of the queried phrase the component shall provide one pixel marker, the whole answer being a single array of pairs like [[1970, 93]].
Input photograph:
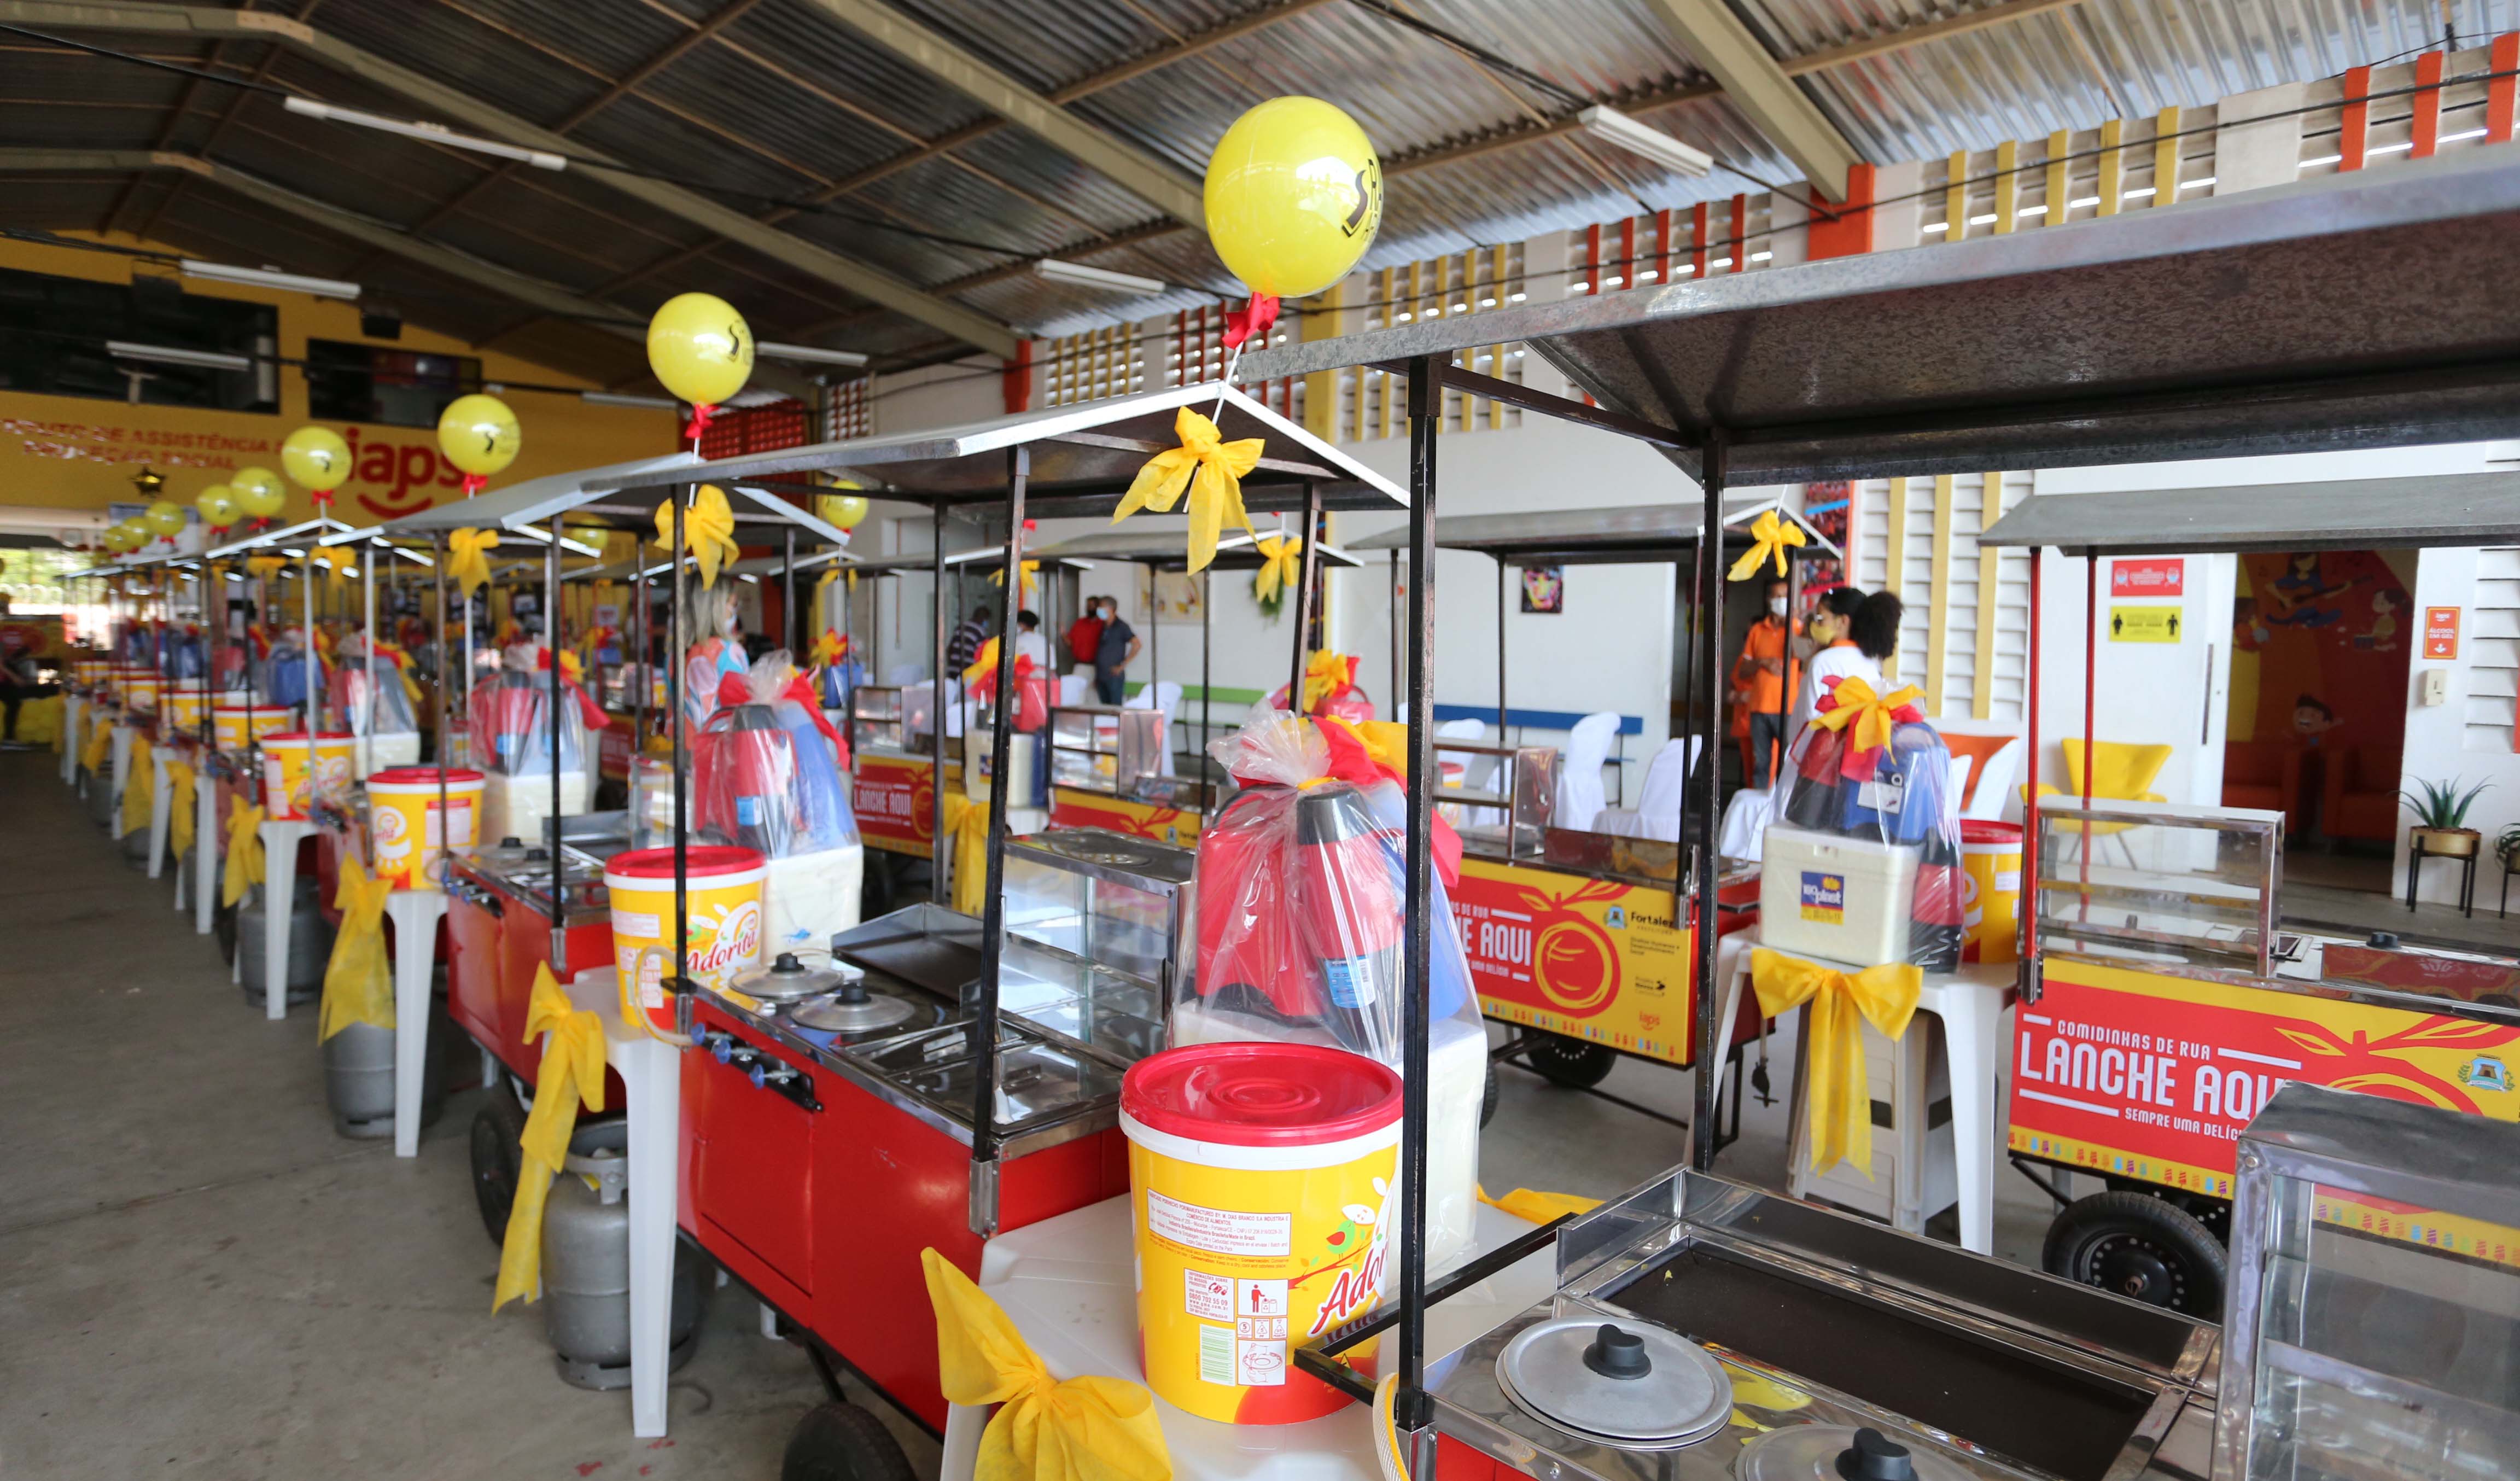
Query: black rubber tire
[[1570, 1063], [1488, 1097], [2135, 1245], [841, 1442], [498, 1158], [223, 929]]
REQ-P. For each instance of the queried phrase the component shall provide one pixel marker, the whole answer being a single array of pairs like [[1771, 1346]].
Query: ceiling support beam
[[1717, 40], [1152, 180], [206, 25]]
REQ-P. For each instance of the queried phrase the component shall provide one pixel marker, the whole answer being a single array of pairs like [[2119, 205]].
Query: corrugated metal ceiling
[[783, 103]]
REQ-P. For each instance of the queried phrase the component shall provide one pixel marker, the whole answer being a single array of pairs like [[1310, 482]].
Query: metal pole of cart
[[1207, 652], [306, 604], [983, 1209], [1307, 574], [939, 853], [368, 585], [676, 959], [1503, 601], [1410, 1409], [2028, 976], [794, 644], [445, 820], [1703, 936], [639, 671], [551, 645]]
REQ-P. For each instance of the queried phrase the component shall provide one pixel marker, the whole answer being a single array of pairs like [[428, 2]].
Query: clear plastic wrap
[[709, 660], [1330, 689], [393, 713], [510, 727], [766, 772], [283, 671], [1862, 861], [1302, 936]]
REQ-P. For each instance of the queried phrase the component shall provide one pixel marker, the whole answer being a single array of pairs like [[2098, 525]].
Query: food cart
[[2349, 311], [2172, 996], [944, 1077], [1092, 783]]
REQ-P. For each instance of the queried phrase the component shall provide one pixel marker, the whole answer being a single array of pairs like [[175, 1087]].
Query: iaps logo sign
[[391, 477], [1824, 898]]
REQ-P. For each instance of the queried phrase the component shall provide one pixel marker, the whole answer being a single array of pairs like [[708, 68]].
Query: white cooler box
[[810, 898], [381, 753], [516, 807], [1845, 899]]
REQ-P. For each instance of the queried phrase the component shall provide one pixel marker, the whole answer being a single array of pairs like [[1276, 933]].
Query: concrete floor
[[198, 1278]]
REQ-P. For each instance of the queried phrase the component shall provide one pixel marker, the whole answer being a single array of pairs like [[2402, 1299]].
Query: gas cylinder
[[100, 809], [135, 846], [359, 1072], [586, 1266], [310, 944]]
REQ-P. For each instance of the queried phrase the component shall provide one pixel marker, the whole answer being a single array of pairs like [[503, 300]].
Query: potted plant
[[2506, 847], [2441, 817]]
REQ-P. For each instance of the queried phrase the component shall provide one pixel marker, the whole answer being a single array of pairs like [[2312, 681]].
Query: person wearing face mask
[[1115, 651], [1764, 676], [1854, 633]]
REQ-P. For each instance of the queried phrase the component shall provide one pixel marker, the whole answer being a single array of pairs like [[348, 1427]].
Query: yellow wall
[[76, 451]]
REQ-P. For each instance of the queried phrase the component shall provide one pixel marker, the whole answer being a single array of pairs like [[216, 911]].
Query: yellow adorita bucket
[[229, 723], [1990, 890], [1260, 1184], [723, 901], [296, 774], [181, 706], [413, 823], [89, 672], [140, 689]]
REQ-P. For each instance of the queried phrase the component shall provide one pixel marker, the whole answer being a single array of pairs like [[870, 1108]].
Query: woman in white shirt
[[1855, 633]]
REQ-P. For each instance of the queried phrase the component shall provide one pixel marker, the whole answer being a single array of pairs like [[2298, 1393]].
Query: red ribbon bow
[[1252, 320], [701, 413]]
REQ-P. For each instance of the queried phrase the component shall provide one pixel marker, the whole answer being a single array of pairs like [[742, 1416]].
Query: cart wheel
[[1570, 1063], [1488, 1097], [2136, 1245], [841, 1442], [498, 1158]]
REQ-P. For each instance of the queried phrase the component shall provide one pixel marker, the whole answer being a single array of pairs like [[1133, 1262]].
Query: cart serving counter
[[2356, 310]]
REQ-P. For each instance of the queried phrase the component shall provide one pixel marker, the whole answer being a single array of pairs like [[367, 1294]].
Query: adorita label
[[1824, 898]]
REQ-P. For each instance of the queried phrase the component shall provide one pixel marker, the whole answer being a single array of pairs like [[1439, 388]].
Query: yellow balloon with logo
[[701, 349], [164, 518], [1294, 196], [259, 491], [218, 506], [317, 457], [479, 434], [840, 510]]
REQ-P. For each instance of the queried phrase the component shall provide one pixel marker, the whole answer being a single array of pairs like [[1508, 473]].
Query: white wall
[[2468, 736]]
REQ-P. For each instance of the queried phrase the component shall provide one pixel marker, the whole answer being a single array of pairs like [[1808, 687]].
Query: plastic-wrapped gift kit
[[770, 773]]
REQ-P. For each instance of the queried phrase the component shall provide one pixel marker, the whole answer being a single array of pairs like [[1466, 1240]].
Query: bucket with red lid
[[722, 903], [1260, 1186], [417, 816], [1990, 890]]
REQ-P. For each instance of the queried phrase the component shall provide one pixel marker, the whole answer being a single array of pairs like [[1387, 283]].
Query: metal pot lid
[[1840, 1453], [1626, 1383], [790, 977], [847, 1013]]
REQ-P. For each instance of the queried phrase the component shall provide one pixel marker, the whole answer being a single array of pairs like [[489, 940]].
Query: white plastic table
[[161, 796], [123, 732], [1970, 1005], [72, 704], [205, 848], [652, 1077], [280, 840], [414, 913], [1069, 1286]]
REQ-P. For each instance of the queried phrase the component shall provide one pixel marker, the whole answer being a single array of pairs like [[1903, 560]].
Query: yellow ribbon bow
[[139, 787], [709, 531], [265, 567], [1087, 1428], [1282, 566], [358, 985], [1539, 1207], [1385, 741], [572, 1071], [181, 797], [97, 751], [401, 660], [244, 853], [1326, 673], [983, 668], [967, 820], [467, 559], [831, 573], [1031, 578], [1212, 472], [1841, 1101], [1769, 536], [829, 648], [336, 560], [1869, 713]]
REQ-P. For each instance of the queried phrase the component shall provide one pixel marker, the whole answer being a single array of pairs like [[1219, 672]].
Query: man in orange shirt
[[1766, 678]]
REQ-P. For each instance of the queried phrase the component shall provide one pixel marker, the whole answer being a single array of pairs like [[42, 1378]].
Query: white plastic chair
[[1073, 689], [1959, 783], [1995, 784], [1477, 773], [905, 673], [1580, 799], [1744, 830], [1163, 694], [1656, 814]]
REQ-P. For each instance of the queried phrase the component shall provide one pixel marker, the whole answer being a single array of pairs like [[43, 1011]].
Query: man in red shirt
[[1085, 635]]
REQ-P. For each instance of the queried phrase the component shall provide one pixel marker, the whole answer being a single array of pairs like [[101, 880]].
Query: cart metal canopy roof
[[2350, 513], [1083, 459], [319, 526], [2369, 310], [1164, 548], [580, 495], [1632, 534]]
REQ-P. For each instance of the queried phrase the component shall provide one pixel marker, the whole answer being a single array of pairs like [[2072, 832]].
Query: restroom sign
[[2160, 576], [2441, 632]]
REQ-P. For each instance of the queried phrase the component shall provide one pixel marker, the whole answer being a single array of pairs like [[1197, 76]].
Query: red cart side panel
[[472, 978], [2153, 1077], [753, 1167]]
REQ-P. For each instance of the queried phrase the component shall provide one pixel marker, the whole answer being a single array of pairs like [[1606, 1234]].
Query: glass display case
[[1499, 799], [1105, 898], [2160, 881], [2371, 1328], [874, 718], [1099, 748]]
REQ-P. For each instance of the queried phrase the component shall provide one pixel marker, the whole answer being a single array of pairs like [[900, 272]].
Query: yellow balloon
[[164, 518], [258, 491], [478, 435], [134, 534], [218, 506], [117, 537], [840, 510], [701, 349], [317, 457], [1294, 196]]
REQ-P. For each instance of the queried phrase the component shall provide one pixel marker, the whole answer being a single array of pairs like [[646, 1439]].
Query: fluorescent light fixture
[[1611, 126], [810, 354], [257, 277], [532, 533], [616, 398], [167, 354], [434, 133], [1078, 275]]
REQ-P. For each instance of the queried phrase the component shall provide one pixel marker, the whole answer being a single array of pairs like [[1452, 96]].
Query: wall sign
[[2441, 632], [2153, 577], [2142, 624]]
